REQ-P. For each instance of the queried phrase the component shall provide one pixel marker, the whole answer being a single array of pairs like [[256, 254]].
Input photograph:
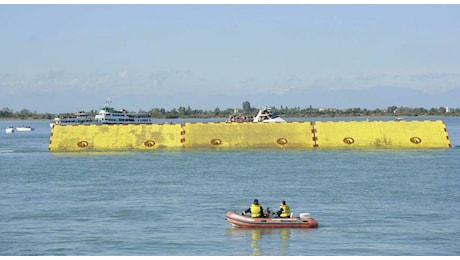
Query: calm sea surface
[[173, 202]]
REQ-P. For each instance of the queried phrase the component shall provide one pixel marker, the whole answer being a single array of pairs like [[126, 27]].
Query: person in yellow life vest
[[284, 211], [256, 210]]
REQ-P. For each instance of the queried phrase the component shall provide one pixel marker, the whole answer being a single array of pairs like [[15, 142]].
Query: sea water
[[173, 202]]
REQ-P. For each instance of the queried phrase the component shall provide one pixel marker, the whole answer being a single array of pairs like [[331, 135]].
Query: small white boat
[[24, 128], [264, 115], [9, 130]]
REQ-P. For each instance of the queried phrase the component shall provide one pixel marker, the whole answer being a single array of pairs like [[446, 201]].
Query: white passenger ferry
[[78, 118], [108, 115]]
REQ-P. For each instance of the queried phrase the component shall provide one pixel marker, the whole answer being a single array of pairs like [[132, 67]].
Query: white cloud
[[425, 81], [175, 81], [123, 74], [283, 90]]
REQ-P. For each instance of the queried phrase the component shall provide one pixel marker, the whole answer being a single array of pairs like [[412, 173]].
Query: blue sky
[[59, 58]]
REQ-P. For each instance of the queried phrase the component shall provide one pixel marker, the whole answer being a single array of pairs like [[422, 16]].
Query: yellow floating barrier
[[284, 135], [248, 135], [378, 134], [114, 137]]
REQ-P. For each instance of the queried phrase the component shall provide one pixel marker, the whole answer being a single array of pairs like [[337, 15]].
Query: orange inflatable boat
[[302, 221]]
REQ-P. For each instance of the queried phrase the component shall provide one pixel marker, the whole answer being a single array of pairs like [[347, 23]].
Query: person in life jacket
[[284, 211], [256, 210]]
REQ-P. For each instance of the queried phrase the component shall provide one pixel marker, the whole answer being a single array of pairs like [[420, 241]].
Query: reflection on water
[[285, 235], [255, 236], [265, 235]]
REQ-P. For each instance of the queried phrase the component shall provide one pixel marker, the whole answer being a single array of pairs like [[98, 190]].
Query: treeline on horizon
[[246, 109]]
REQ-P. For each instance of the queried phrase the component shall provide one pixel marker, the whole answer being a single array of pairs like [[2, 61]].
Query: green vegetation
[[309, 112]]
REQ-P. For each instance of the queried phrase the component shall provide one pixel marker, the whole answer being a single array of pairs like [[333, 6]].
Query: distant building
[[327, 109], [447, 110]]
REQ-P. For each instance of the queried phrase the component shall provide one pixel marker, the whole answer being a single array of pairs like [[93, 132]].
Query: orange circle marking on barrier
[[348, 140], [149, 143], [415, 140], [82, 144], [216, 141], [281, 141]]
